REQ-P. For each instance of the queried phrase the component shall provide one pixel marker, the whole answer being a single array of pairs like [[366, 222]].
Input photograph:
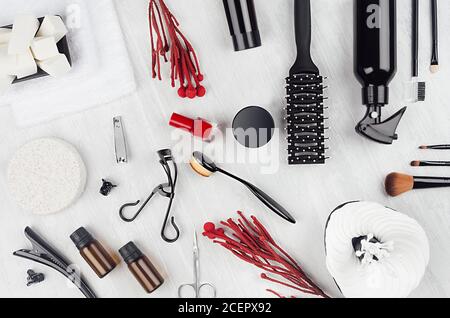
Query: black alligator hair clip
[[44, 254]]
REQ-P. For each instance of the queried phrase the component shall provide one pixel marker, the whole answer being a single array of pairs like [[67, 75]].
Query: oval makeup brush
[[398, 183], [206, 167]]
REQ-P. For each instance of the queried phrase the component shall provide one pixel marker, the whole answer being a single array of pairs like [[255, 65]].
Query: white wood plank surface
[[355, 171]]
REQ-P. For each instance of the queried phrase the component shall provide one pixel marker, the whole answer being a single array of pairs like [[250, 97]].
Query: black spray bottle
[[376, 64]]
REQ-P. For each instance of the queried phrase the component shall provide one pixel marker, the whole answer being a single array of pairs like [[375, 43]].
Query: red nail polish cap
[[197, 127]]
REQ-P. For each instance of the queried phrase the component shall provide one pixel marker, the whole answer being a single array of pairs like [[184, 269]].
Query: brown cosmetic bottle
[[93, 252], [141, 268]]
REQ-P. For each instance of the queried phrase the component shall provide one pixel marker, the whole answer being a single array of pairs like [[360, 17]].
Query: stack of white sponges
[[29, 45], [46, 176]]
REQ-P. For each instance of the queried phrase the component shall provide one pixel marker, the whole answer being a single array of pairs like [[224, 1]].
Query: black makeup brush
[[436, 147], [305, 111], [398, 183], [205, 167], [418, 88], [418, 163], [435, 50]]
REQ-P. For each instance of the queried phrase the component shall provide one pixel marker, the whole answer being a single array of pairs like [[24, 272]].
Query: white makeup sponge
[[56, 66], [25, 64], [46, 176], [53, 26], [23, 32], [44, 48], [7, 62]]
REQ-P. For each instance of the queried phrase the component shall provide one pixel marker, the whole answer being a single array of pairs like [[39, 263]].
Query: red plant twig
[[167, 38], [251, 242]]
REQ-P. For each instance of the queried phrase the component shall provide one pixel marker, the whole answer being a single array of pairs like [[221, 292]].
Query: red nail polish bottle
[[197, 127]]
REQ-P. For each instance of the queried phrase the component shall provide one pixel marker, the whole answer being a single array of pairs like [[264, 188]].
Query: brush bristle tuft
[[434, 68], [199, 168], [305, 119], [398, 183], [421, 91], [415, 163], [423, 147]]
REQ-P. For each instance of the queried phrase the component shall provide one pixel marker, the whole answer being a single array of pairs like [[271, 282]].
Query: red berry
[[191, 92], [201, 91], [182, 92], [209, 227], [200, 77]]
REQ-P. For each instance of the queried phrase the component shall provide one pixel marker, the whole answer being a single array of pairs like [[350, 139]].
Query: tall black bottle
[[376, 64]]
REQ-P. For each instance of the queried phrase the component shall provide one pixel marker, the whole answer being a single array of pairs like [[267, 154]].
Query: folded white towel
[[101, 68]]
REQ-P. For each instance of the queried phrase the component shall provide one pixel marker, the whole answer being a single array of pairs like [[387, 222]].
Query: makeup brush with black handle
[[436, 147], [434, 68], [418, 87], [398, 183], [418, 163]]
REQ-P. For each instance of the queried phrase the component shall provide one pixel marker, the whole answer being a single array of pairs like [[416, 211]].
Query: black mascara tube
[[243, 24]]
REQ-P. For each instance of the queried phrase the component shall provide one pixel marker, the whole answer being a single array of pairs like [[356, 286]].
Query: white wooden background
[[234, 80]]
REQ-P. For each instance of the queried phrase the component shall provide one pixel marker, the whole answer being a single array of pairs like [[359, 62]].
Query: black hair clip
[[34, 278], [44, 254], [106, 188], [166, 190]]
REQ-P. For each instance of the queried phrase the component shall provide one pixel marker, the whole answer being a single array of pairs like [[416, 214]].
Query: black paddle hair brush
[[305, 110]]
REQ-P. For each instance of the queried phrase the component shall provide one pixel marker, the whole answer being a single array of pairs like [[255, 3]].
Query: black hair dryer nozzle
[[376, 65]]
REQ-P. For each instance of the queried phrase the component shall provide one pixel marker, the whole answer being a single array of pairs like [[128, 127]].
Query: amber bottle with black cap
[[93, 252], [141, 268]]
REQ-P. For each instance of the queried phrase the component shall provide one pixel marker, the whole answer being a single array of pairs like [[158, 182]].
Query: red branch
[[167, 38], [252, 243]]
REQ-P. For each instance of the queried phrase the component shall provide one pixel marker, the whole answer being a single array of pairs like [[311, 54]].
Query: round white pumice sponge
[[46, 176]]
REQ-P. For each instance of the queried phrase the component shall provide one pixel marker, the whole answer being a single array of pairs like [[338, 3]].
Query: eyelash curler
[[166, 190]]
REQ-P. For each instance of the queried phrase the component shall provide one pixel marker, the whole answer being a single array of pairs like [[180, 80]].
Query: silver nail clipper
[[119, 140]]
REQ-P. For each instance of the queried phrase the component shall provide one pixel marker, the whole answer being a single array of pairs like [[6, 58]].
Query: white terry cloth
[[101, 68]]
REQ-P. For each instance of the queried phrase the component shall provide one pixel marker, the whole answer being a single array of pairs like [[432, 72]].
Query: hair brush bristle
[[398, 183], [305, 119]]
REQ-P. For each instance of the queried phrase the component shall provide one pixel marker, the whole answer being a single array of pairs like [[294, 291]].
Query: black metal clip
[[34, 278], [44, 254], [166, 190], [106, 188]]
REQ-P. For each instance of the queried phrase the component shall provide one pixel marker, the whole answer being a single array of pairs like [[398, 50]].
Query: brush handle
[[304, 63], [434, 13], [439, 147], [263, 197], [415, 38], [430, 182], [435, 163]]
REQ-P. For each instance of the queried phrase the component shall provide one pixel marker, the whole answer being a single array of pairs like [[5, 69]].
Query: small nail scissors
[[196, 285]]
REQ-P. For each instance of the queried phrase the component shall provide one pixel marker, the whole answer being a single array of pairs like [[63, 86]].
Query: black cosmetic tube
[[243, 24]]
